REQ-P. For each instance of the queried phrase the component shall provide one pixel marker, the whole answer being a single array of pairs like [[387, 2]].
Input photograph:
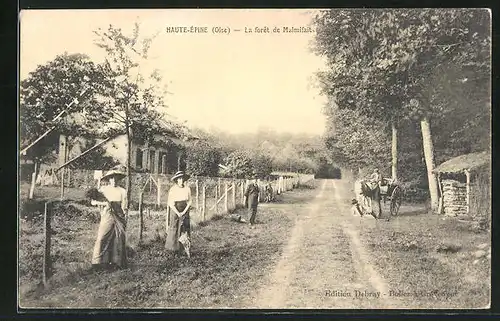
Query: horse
[[368, 197]]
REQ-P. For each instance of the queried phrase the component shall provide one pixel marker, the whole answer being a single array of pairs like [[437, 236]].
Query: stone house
[[463, 181]]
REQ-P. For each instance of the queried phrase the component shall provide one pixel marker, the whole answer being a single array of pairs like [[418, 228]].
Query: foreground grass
[[420, 252], [228, 261]]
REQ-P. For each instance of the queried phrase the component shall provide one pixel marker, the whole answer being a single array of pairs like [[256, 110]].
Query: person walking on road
[[252, 199]]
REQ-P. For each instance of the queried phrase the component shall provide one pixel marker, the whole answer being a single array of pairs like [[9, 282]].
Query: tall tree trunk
[[429, 161], [394, 151], [128, 131], [128, 184]]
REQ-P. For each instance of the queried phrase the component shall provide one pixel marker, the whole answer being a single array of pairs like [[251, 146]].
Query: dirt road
[[324, 264]]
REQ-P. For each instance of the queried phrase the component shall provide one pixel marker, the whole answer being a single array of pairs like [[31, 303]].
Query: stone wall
[[454, 197]]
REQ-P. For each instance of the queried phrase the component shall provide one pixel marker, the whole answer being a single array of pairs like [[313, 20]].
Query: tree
[[358, 141], [382, 63], [203, 159], [57, 98], [46, 93], [133, 103], [261, 164], [239, 165]]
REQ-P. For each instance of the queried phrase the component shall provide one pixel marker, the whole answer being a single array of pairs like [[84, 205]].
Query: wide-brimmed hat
[[114, 172], [180, 174]]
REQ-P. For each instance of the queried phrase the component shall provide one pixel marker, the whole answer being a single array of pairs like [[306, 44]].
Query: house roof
[[177, 130], [464, 162]]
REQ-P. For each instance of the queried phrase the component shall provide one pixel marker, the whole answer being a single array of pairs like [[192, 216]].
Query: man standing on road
[[252, 199]]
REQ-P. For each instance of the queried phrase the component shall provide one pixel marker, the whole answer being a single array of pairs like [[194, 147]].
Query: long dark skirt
[[176, 227], [110, 246]]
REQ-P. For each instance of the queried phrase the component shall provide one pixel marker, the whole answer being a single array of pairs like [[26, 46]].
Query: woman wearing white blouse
[[179, 202], [110, 246]]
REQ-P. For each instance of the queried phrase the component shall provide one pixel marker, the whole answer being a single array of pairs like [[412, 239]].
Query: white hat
[[114, 172], [180, 174]]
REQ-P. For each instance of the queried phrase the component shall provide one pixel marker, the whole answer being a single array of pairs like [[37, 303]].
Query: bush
[[239, 165], [203, 160]]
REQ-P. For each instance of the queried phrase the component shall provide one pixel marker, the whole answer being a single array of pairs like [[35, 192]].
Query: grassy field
[[228, 260], [437, 257]]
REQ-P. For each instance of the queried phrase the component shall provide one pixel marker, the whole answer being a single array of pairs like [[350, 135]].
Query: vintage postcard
[[255, 159]]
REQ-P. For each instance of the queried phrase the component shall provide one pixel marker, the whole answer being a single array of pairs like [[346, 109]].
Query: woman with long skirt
[[179, 202], [110, 246]]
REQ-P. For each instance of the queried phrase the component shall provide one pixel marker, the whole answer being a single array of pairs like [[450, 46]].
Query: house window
[[162, 162], [138, 158], [152, 164]]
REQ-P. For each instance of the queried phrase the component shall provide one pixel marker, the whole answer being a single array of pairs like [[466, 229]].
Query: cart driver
[[376, 177]]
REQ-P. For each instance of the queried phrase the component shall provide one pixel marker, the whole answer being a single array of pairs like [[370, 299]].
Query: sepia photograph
[[269, 159]]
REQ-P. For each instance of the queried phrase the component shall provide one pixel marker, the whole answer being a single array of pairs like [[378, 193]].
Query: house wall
[[69, 147], [154, 159], [480, 195], [117, 148]]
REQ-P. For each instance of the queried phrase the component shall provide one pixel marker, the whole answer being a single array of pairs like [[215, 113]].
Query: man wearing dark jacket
[[252, 199]]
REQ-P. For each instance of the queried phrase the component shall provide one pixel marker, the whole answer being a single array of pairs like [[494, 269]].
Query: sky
[[237, 82]]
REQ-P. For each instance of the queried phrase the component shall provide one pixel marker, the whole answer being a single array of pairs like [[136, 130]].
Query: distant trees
[[283, 151]]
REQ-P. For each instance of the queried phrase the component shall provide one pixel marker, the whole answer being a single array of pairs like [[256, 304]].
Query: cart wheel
[[395, 201]]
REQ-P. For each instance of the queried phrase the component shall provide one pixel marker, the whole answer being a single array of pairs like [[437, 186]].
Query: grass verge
[[228, 260], [436, 259]]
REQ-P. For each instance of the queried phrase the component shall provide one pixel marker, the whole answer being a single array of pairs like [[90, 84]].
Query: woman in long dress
[[110, 246], [179, 202]]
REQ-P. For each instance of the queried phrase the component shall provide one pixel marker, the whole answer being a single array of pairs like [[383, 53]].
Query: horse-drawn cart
[[369, 195], [393, 192]]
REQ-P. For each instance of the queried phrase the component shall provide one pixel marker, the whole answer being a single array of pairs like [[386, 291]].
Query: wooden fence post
[[204, 202], [158, 193], [243, 193], [47, 262], [467, 190], [216, 199], [234, 194], [62, 183], [197, 197], [167, 219], [225, 198], [141, 217], [69, 177]]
